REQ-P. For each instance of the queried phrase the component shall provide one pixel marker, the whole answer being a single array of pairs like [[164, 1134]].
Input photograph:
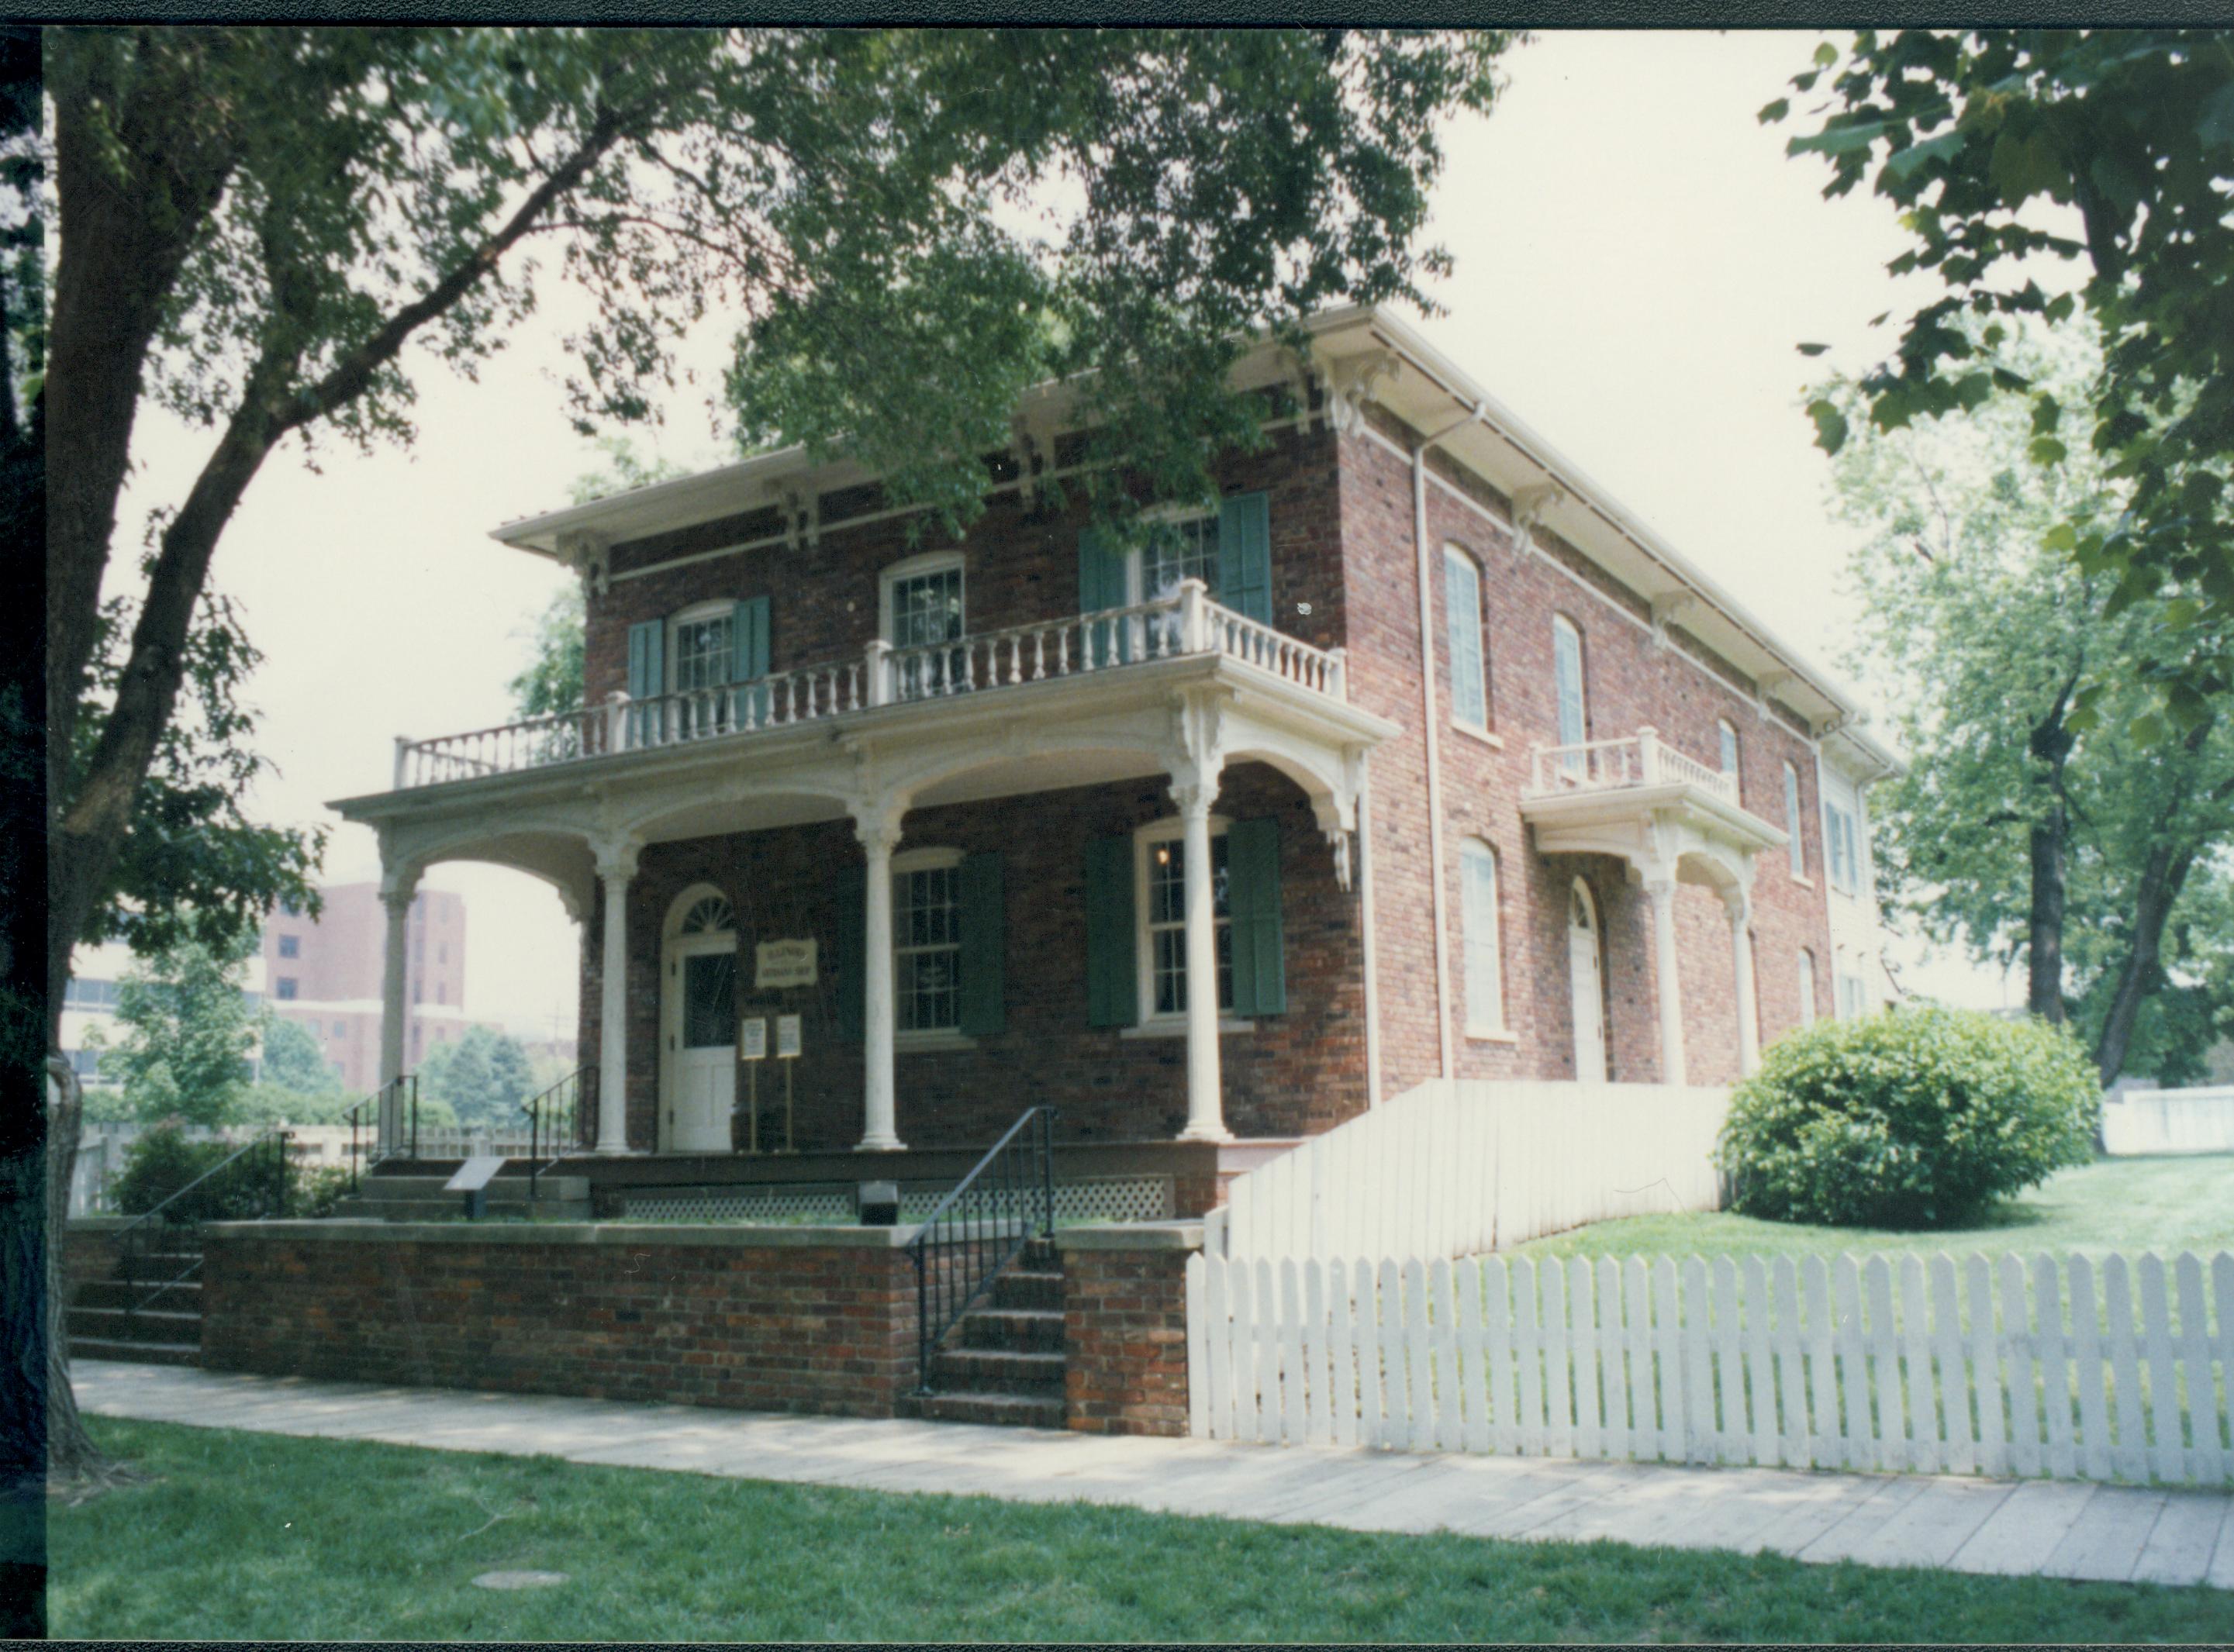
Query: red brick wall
[[1292, 1073], [813, 1327], [1125, 1332], [1630, 681]]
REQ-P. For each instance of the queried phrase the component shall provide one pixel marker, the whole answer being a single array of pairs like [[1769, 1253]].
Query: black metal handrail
[[135, 1240], [560, 1108], [979, 1228], [362, 1160]]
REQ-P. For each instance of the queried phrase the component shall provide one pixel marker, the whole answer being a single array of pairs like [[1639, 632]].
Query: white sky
[[1636, 260]]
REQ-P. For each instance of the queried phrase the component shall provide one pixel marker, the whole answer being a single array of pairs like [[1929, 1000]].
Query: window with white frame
[[1853, 996], [701, 647], [1798, 847], [1729, 747], [1161, 859], [1841, 849], [1807, 987], [923, 604], [927, 941], [1567, 679], [1177, 548], [1484, 985], [1462, 616]]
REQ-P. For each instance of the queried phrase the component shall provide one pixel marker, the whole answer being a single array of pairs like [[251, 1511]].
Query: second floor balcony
[[1638, 798], [962, 671]]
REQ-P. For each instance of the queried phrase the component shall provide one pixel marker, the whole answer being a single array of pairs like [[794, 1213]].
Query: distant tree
[[267, 1103], [188, 1032], [1969, 134], [2017, 827], [483, 1075], [292, 1059], [553, 681]]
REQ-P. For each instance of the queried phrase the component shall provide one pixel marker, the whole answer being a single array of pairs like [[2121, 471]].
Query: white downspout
[[1444, 1042], [1365, 924]]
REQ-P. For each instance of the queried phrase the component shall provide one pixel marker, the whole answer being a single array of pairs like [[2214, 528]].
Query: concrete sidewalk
[[2034, 1528]]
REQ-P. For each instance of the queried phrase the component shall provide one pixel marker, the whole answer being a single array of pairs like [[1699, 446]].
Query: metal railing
[[264, 1177], [1643, 759], [554, 1126], [370, 1115], [979, 1228], [1185, 622]]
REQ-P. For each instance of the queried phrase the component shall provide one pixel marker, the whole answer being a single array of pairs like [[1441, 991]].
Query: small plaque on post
[[786, 1036], [751, 1039]]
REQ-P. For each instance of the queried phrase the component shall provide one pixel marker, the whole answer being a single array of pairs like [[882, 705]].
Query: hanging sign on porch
[[783, 963], [786, 1036], [751, 1039]]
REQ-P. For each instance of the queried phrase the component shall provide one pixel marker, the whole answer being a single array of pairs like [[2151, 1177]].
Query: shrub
[[162, 1162], [1914, 1118]]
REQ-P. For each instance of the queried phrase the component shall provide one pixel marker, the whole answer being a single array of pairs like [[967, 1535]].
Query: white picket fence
[[2072, 1367], [1452, 1168], [2199, 1121]]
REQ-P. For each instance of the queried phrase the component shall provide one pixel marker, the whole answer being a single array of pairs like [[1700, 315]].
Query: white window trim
[[1810, 1011], [1497, 1029], [1169, 830], [921, 1039], [915, 568], [1735, 748], [1796, 855], [697, 613], [1136, 555], [1458, 719]]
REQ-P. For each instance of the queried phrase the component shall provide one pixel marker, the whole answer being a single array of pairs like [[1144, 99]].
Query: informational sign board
[[751, 1039], [786, 1036], [783, 963]]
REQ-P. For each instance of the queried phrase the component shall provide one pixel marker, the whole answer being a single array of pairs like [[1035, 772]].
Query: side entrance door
[[698, 1046], [1584, 970]]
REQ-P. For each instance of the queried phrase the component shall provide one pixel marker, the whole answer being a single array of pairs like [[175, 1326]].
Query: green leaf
[[1830, 426], [1827, 54], [1917, 156], [1837, 140], [2046, 450], [1811, 349], [2023, 167], [2215, 127], [1771, 113]]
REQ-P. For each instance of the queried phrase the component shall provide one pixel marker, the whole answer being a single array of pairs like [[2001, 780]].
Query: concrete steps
[[144, 1311], [1005, 1362], [391, 1197]]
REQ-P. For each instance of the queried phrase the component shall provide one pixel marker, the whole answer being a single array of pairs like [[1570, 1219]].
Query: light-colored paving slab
[[2033, 1528]]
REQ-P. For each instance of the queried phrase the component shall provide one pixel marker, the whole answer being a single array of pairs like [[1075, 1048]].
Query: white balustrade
[[1643, 759], [1185, 622]]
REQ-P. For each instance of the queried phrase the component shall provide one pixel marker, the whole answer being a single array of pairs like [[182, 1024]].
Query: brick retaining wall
[[763, 1319], [1124, 1302]]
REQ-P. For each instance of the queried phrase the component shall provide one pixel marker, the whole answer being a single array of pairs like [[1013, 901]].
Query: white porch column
[[1740, 910], [395, 894], [879, 832], [1205, 1101], [615, 867], [1662, 893]]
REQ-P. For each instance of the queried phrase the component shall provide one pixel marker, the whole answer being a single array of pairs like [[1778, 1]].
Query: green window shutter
[[1252, 862], [1101, 585], [984, 941], [1112, 989], [852, 954], [647, 677], [1244, 556], [748, 641]]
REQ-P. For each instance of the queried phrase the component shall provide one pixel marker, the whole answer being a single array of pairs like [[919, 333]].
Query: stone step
[[1022, 1331], [160, 1269], [1040, 1255], [505, 1189], [185, 1298], [1006, 1410], [87, 1347], [1017, 1289], [122, 1325], [451, 1207], [975, 1370]]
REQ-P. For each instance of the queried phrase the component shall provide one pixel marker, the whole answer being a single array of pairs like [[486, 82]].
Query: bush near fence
[[2068, 1367]]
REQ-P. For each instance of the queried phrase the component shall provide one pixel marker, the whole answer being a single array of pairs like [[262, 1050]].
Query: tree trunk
[[2161, 882], [2044, 926]]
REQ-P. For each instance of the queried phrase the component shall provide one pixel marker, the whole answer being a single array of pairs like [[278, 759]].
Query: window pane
[[710, 999], [1462, 598], [1798, 848], [926, 949], [927, 607], [1167, 923], [1176, 551], [1485, 997], [1729, 750], [1567, 668]]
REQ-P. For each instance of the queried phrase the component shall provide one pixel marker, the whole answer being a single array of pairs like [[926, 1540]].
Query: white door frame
[[674, 949], [1593, 1069]]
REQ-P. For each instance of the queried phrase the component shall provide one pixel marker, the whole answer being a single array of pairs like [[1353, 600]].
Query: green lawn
[[2167, 1206], [249, 1536]]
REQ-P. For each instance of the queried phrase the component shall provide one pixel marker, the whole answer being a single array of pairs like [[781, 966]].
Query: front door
[[702, 1039], [1583, 970]]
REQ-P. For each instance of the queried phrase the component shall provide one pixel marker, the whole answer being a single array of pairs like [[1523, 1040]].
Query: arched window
[[1729, 749], [1807, 987], [1798, 848], [708, 915], [1469, 658], [1485, 963]]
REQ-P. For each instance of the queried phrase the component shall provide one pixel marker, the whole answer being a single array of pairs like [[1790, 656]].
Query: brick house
[[1488, 780]]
